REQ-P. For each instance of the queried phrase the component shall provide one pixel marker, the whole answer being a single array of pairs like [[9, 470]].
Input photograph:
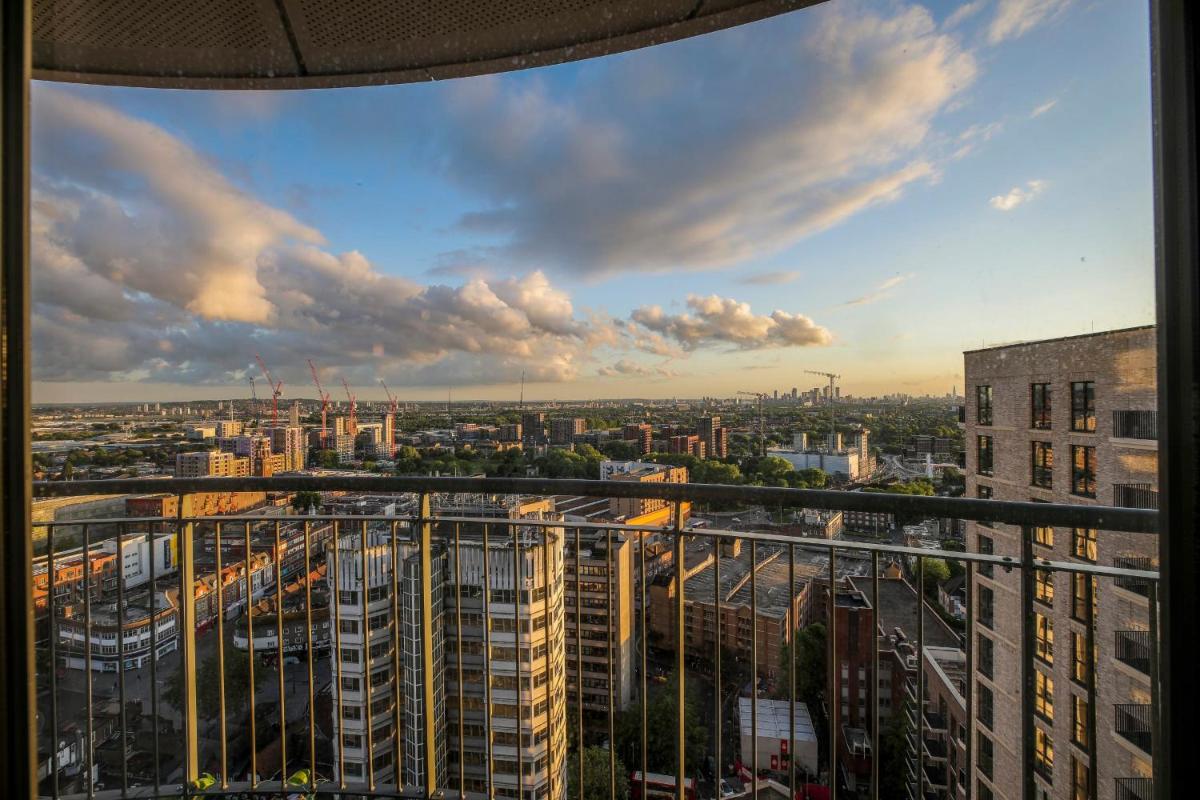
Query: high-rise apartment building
[[533, 428], [289, 442], [641, 434], [689, 444], [1068, 420], [211, 463], [715, 438], [563, 430], [599, 620]]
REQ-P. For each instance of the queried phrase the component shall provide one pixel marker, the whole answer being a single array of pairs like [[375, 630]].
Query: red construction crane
[[392, 403], [276, 390], [324, 397], [352, 428]]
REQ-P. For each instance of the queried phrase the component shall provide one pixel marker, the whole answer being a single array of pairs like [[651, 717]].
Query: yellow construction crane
[[762, 431]]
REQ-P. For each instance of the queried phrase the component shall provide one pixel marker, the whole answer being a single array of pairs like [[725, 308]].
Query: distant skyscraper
[[715, 438], [563, 430], [294, 414], [642, 434], [533, 428]]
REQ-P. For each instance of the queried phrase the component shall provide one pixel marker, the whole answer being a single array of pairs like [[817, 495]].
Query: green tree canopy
[[596, 776]]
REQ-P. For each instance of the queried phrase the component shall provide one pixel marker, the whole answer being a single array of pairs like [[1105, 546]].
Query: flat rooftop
[[898, 609], [774, 720]]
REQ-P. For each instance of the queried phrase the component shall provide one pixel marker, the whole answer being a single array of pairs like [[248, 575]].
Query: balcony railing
[[463, 585], [1135, 495], [1133, 722], [1134, 789], [1133, 584], [1135, 424], [1133, 648]]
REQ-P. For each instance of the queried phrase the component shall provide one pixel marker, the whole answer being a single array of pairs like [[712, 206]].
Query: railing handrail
[[1003, 511]]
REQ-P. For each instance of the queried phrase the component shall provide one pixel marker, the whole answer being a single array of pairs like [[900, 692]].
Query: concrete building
[[643, 472], [642, 436], [851, 461], [1089, 400], [563, 430], [688, 444], [715, 438], [774, 721], [211, 463], [603, 588], [289, 442], [533, 428], [105, 633]]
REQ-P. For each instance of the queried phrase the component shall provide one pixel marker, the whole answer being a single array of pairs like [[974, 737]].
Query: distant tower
[[294, 416]]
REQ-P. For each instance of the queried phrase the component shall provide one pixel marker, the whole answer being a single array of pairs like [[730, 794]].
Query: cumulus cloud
[[1017, 195], [771, 278], [718, 320], [880, 291], [963, 13], [1015, 18], [628, 368], [667, 183]]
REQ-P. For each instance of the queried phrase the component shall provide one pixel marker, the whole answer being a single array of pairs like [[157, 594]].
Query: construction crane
[[762, 428], [324, 398], [352, 427], [254, 400], [393, 405], [832, 377], [276, 390]]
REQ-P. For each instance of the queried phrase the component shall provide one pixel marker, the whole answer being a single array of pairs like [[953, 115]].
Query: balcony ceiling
[[295, 44]]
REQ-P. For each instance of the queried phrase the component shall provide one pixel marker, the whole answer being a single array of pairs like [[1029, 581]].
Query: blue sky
[[865, 187]]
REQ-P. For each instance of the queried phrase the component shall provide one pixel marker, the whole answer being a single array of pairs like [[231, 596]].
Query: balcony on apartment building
[[1133, 722], [1135, 425]]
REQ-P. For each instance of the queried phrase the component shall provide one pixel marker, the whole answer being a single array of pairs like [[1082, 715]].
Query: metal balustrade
[[1133, 648], [1135, 424], [425, 577]]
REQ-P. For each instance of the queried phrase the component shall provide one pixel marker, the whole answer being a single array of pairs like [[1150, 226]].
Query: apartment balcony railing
[[1134, 495], [1133, 648], [1134, 788], [1133, 584], [430, 567], [1135, 424], [1133, 722]]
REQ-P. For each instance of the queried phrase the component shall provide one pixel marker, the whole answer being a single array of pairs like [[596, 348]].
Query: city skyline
[[687, 220]]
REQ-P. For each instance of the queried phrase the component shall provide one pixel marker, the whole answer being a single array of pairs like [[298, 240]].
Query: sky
[[867, 188]]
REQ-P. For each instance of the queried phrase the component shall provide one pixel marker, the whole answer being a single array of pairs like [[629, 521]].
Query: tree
[[936, 572], [619, 449], [811, 666], [660, 728], [596, 776], [303, 502], [327, 459], [237, 681]]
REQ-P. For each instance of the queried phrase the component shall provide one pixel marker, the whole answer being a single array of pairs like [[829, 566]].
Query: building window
[[1083, 543], [985, 705], [984, 493], [1039, 397], [1079, 717], [983, 404], [1083, 407], [983, 454], [1083, 470], [1079, 779], [1043, 535], [1043, 695], [984, 747], [986, 657], [987, 548], [1043, 586], [1043, 754], [1080, 663], [1079, 588], [1043, 628], [986, 601], [1042, 473]]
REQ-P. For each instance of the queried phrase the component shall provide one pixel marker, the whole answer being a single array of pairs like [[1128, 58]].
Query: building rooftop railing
[[215, 746]]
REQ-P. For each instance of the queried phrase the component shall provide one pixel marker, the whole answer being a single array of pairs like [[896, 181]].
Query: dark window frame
[[984, 410], [980, 449], [1041, 406], [1083, 406], [1041, 464], [1083, 478]]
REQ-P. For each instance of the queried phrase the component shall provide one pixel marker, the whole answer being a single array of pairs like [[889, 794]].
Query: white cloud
[[718, 320], [1015, 18], [770, 278], [1043, 108], [1017, 195], [880, 291], [963, 13], [628, 368]]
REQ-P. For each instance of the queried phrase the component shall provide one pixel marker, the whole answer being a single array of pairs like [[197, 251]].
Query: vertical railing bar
[[754, 667], [971, 680], [1027, 677], [219, 587], [720, 622], [121, 657], [1160, 787], [52, 644], [873, 694], [279, 654], [250, 649], [87, 655], [309, 649], [546, 605], [458, 585], [680, 643], [792, 628], [833, 699], [487, 659], [187, 639], [365, 586], [612, 736], [579, 668], [429, 734], [516, 580], [1089, 597], [920, 676], [154, 656], [397, 682], [339, 711]]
